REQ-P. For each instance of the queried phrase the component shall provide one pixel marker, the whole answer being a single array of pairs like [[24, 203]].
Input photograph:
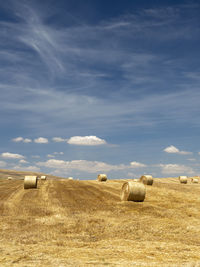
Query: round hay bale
[[132, 191], [30, 182], [146, 179], [9, 178], [183, 179], [102, 177], [70, 178], [194, 180], [43, 177]]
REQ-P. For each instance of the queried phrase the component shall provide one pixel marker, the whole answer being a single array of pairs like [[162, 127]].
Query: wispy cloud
[[35, 156], [58, 153], [71, 52], [22, 161], [116, 25], [121, 78], [136, 164], [59, 139], [55, 154], [192, 159], [38, 36]]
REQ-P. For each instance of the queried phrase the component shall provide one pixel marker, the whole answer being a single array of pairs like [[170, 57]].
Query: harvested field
[[84, 223]]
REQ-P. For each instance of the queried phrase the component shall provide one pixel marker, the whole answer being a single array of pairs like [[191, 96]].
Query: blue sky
[[96, 86]]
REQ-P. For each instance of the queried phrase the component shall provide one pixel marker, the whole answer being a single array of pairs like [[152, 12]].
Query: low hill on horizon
[[16, 174]]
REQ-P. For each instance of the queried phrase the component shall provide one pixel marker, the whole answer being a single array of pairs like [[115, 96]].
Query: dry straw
[[194, 180], [70, 178], [146, 179], [183, 179], [102, 177], [9, 178], [43, 177], [30, 182], [132, 191]]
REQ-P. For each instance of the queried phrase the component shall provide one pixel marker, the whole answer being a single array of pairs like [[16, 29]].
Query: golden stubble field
[[84, 223]]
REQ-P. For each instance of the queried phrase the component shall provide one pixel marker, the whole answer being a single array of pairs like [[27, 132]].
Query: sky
[[95, 86]]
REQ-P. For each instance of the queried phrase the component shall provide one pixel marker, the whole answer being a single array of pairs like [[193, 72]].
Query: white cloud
[[174, 150], [171, 149], [86, 140], [50, 156], [58, 153], [136, 164], [82, 165], [17, 139], [54, 154], [86, 166], [23, 161], [21, 139], [54, 163], [59, 139], [27, 140], [41, 140], [2, 164], [8, 155], [175, 169]]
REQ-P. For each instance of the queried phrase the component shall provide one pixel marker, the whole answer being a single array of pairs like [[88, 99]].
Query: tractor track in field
[[84, 223]]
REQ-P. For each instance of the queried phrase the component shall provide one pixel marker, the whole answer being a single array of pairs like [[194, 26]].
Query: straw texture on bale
[[183, 179], [30, 182], [132, 191], [9, 178], [195, 180], [43, 177], [146, 179], [70, 178], [102, 177]]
